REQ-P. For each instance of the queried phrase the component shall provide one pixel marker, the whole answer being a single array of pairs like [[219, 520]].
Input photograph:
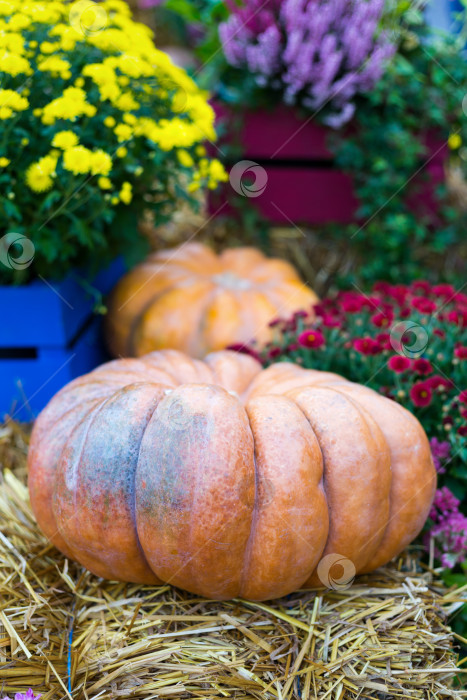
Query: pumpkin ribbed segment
[[223, 478], [195, 301]]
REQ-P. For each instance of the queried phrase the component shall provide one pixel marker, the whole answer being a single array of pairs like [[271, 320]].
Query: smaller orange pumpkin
[[193, 300]]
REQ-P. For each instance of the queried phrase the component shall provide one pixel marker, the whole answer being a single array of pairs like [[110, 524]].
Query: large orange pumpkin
[[193, 300], [223, 478]]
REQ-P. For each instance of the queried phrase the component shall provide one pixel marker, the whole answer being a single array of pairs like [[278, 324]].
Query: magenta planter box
[[279, 135], [302, 184], [297, 181]]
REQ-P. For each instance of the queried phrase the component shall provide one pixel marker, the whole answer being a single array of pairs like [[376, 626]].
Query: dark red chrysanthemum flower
[[384, 339], [422, 285], [331, 321], [461, 352], [439, 332], [443, 290], [424, 305], [463, 396], [311, 339], [367, 346], [459, 318], [352, 305], [437, 381], [404, 312], [382, 320], [399, 363], [399, 293], [462, 430], [421, 394], [422, 366], [383, 287]]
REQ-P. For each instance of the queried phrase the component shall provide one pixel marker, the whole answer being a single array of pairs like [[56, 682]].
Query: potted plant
[[284, 74], [97, 127], [358, 152], [387, 123]]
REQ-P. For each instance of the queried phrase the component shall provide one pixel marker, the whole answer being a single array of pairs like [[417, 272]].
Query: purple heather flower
[[320, 52], [28, 695], [264, 57], [440, 452], [145, 5], [449, 530]]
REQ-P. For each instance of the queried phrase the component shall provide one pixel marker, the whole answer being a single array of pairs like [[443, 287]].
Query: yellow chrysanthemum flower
[[104, 183], [101, 163], [71, 105], [39, 175], [78, 160], [47, 47], [217, 173], [129, 118], [12, 41], [454, 142], [13, 64], [123, 132], [19, 22], [185, 158], [56, 66], [4, 162], [65, 139], [101, 73], [126, 102], [126, 194], [11, 102]]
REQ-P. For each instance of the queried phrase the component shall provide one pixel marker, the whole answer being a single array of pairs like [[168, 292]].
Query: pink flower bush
[[405, 341]]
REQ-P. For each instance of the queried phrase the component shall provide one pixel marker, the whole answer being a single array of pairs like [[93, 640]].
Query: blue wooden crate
[[48, 336]]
